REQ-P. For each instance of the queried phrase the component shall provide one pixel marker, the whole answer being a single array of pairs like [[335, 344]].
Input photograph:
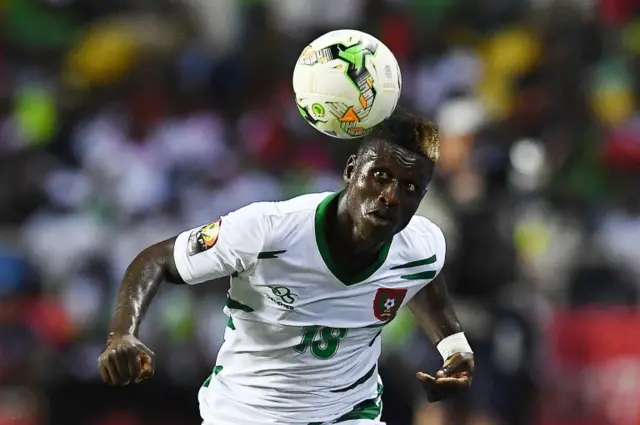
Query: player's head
[[389, 175]]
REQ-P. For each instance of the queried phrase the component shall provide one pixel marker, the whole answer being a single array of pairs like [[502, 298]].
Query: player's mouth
[[382, 217]]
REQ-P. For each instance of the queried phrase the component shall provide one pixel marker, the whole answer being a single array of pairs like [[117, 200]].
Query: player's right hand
[[125, 360]]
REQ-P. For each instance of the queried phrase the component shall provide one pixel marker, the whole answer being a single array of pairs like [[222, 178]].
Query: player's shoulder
[[276, 209], [281, 217], [421, 238], [421, 227], [303, 204], [284, 221]]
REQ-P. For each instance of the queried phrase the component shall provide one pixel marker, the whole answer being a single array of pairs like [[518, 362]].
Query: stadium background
[[125, 122]]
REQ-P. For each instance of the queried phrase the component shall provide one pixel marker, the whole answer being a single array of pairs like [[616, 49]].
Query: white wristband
[[456, 343]]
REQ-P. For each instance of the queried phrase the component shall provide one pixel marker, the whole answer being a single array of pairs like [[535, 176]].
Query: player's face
[[384, 189]]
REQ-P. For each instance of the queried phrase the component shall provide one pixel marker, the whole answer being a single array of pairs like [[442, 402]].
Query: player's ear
[[349, 169]]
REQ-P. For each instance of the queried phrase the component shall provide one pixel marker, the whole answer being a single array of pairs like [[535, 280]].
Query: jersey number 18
[[324, 342]]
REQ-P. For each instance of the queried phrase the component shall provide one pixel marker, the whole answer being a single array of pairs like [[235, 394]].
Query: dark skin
[[389, 181], [384, 187]]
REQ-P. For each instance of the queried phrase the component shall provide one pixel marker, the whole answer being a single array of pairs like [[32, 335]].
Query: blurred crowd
[[125, 122]]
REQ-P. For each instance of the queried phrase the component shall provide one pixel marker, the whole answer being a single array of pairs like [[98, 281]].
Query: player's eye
[[411, 187], [381, 175]]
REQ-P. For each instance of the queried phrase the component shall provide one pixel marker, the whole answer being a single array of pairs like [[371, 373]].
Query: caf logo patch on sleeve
[[204, 238]]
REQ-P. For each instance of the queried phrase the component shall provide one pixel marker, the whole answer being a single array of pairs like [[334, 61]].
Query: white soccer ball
[[346, 82]]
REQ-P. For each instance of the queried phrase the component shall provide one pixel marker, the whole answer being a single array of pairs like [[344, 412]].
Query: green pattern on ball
[[318, 109], [355, 55], [307, 116]]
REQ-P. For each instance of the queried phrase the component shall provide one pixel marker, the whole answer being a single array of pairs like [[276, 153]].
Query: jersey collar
[[323, 247]]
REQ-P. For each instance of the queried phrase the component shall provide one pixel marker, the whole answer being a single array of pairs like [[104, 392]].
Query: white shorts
[[230, 412]]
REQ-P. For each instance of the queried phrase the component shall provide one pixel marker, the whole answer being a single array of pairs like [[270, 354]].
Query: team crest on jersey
[[204, 238], [387, 302]]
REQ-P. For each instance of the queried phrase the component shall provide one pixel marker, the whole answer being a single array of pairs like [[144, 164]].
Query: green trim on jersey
[[418, 276], [375, 337], [269, 255], [358, 382], [236, 305], [368, 409], [323, 247], [417, 263], [216, 370]]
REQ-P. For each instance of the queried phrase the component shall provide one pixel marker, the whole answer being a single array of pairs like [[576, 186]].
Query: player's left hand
[[453, 378]]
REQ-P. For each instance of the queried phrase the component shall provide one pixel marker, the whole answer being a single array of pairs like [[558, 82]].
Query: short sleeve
[[440, 246], [227, 246], [429, 240]]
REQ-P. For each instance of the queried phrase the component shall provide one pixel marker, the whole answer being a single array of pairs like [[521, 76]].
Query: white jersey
[[303, 339]]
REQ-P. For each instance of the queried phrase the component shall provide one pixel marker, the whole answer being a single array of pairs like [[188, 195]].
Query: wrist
[[117, 334], [455, 343], [121, 327]]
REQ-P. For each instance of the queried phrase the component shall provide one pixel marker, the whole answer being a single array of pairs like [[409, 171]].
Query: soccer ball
[[346, 82]]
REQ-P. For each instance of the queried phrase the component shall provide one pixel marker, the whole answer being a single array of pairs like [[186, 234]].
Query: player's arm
[[433, 310], [125, 358], [221, 248], [153, 266]]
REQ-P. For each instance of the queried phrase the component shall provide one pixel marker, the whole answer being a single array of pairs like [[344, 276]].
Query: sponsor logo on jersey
[[282, 296], [387, 302], [204, 238]]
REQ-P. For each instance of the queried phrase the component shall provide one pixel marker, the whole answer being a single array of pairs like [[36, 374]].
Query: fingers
[[452, 383], [119, 357], [145, 360], [119, 365], [125, 360], [463, 380], [116, 365], [425, 378], [104, 373], [459, 362], [133, 365], [454, 377], [452, 364], [144, 350], [451, 374], [438, 388], [108, 368]]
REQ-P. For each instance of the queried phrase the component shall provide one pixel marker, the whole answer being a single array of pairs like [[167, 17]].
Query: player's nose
[[389, 195]]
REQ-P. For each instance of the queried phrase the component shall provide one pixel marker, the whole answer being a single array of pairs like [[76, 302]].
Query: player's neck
[[344, 238]]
